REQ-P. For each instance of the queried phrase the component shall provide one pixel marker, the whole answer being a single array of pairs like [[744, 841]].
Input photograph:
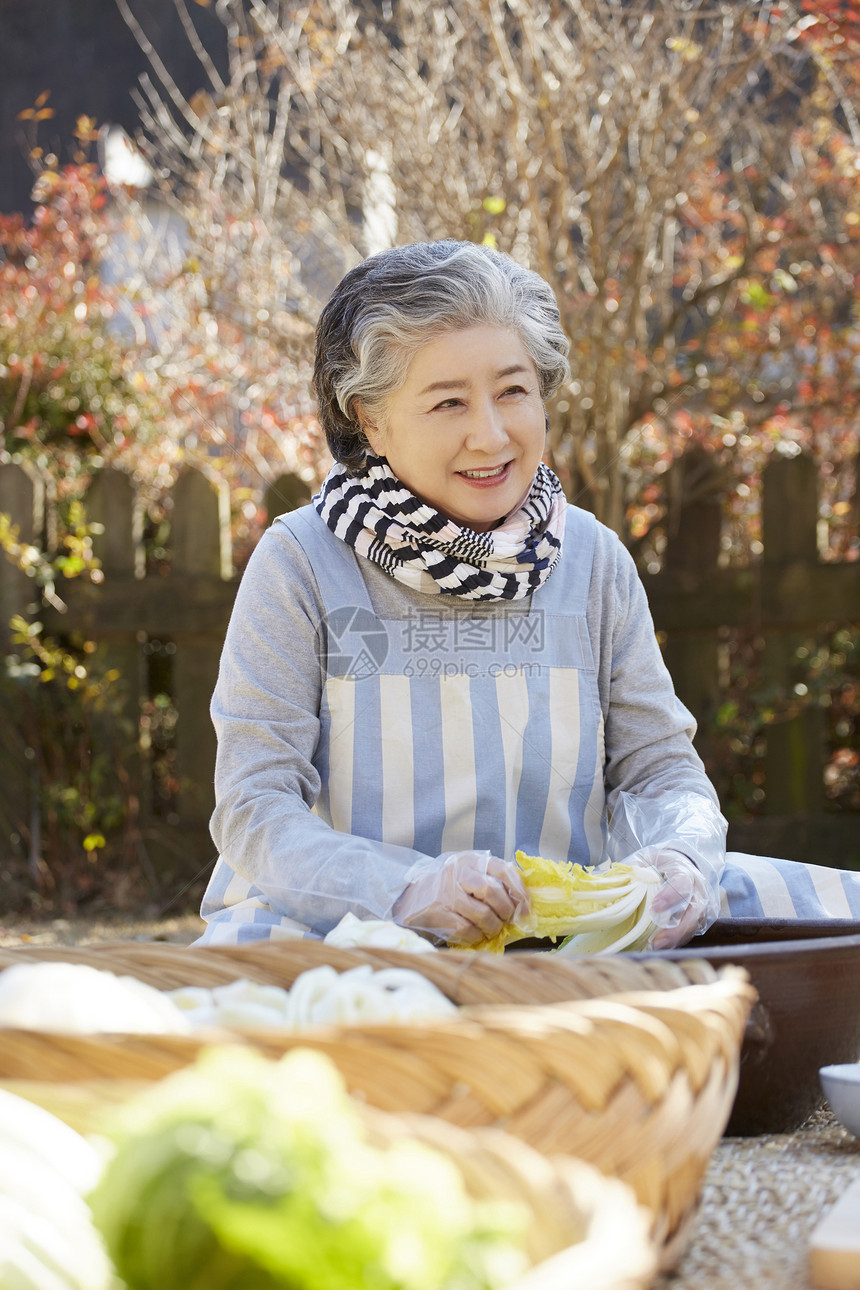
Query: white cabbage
[[319, 997], [47, 1237], [75, 999], [352, 932]]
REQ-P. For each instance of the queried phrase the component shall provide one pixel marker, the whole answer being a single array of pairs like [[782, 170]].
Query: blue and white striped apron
[[476, 729], [760, 887]]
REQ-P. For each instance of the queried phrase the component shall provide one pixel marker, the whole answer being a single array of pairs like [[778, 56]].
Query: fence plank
[[286, 493], [200, 526], [200, 542], [111, 502], [692, 550], [195, 671], [789, 510], [22, 498], [794, 760]]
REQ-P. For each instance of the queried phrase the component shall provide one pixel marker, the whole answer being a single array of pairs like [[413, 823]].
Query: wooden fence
[[183, 616], [180, 617], [786, 597]]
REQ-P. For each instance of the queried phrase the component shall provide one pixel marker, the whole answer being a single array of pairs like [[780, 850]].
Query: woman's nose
[[486, 428]]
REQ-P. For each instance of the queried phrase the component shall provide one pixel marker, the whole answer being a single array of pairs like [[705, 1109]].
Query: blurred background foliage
[[829, 664]]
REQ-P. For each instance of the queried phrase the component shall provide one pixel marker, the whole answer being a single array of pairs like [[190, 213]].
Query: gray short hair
[[392, 303]]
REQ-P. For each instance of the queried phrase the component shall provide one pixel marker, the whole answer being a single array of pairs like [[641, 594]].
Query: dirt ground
[[181, 930]]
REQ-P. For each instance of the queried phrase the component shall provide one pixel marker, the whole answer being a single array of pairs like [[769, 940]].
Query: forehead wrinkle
[[455, 384]]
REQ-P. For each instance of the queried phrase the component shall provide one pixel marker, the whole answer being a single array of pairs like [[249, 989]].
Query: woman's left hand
[[680, 907]]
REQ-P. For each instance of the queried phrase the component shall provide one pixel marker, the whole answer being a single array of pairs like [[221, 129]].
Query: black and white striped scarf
[[377, 515]]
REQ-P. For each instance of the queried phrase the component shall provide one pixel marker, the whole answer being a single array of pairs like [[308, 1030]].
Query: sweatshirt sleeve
[[658, 792], [274, 852]]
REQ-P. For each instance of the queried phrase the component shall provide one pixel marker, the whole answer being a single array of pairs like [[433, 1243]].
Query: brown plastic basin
[[808, 1015]]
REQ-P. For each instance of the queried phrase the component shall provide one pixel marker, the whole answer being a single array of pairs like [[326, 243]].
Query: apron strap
[[566, 590], [334, 564]]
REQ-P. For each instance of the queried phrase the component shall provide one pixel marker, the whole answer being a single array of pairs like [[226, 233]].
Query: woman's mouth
[[486, 476]]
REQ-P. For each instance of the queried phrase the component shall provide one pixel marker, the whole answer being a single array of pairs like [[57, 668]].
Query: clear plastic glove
[[688, 827], [464, 897], [681, 908]]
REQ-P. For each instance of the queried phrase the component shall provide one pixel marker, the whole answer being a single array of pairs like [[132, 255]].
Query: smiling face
[[465, 432]]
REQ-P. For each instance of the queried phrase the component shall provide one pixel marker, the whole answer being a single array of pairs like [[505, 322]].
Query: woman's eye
[[515, 389], [447, 403]]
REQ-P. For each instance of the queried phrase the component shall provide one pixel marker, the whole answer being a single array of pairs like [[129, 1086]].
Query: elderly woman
[[439, 661]]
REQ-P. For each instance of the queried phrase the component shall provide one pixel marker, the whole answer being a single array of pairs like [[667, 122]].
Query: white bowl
[[841, 1086]]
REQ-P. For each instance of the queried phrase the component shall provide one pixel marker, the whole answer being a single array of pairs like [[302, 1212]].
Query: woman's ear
[[371, 432]]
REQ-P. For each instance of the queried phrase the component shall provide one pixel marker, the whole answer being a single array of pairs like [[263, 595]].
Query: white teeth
[[484, 474]]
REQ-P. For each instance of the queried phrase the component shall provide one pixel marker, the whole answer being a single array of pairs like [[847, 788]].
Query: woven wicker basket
[[640, 1084], [582, 1229]]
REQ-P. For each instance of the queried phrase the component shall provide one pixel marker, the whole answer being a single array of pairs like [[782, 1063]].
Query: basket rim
[[731, 984]]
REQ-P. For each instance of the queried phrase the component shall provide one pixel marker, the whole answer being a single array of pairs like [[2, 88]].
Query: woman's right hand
[[469, 897]]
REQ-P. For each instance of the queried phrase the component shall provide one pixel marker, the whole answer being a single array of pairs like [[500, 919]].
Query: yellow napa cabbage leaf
[[593, 911]]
